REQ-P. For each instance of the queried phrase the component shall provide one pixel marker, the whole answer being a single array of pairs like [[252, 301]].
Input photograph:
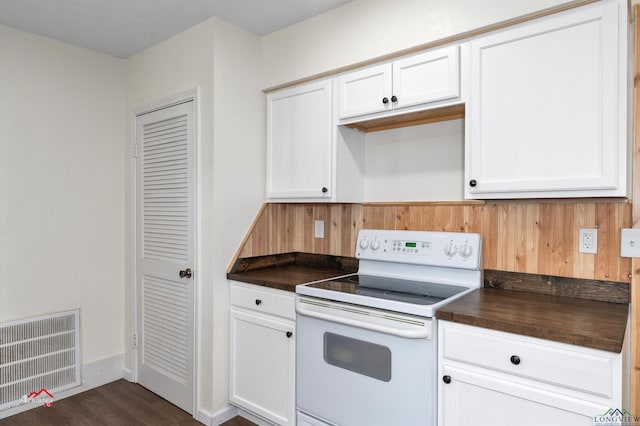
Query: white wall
[[417, 163], [238, 174], [366, 29], [61, 186], [222, 62]]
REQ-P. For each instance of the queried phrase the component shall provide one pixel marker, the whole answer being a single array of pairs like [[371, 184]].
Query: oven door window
[[359, 356]]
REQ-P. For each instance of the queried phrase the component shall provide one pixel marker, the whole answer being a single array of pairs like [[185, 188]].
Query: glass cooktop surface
[[416, 292]]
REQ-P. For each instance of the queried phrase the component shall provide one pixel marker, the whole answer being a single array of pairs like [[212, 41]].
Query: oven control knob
[[450, 249], [466, 250], [375, 245], [364, 244]]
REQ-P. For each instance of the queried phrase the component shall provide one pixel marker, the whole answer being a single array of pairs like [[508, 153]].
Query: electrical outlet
[[629, 242], [319, 229], [588, 240]]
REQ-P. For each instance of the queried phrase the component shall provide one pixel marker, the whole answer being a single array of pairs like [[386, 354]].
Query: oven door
[[363, 366]]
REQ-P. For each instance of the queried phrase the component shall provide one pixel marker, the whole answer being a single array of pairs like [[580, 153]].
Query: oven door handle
[[383, 322]]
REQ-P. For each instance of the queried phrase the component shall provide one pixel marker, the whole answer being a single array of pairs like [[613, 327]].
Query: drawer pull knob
[[515, 359], [258, 301], [446, 379], [289, 334]]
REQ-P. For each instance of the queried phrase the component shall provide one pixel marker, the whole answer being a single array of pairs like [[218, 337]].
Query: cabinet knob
[[394, 98], [289, 333], [324, 190], [385, 100], [185, 273], [446, 379], [258, 301], [473, 183], [515, 359]]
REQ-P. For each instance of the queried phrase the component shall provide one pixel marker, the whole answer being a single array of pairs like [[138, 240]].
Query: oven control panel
[[449, 249]]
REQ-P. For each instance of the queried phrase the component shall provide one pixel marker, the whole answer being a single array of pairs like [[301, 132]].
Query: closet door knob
[[394, 98], [385, 100]]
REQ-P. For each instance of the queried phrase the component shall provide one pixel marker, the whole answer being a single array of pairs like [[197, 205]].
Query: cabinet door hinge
[[135, 340], [134, 150]]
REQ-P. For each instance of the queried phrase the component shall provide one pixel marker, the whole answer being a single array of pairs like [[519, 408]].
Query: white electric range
[[366, 346]]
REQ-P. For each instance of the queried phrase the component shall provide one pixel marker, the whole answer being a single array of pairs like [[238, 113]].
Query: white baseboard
[[93, 374], [103, 371], [221, 416], [253, 418], [128, 375]]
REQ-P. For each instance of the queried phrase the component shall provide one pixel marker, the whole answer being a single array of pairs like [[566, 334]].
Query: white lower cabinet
[[492, 378], [262, 358]]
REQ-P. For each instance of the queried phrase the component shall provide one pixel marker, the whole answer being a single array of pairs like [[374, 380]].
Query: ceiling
[[123, 27]]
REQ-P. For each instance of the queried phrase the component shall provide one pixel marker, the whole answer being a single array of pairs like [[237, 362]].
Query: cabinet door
[[364, 92], [427, 77], [546, 116], [477, 398], [262, 366], [299, 142]]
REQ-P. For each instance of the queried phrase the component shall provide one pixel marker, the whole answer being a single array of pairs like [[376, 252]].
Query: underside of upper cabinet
[[410, 119]]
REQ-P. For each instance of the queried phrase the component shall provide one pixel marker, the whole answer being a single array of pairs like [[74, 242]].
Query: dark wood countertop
[[285, 271], [568, 310], [590, 323]]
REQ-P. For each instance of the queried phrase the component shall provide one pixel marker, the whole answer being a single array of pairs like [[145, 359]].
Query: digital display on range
[[408, 244]]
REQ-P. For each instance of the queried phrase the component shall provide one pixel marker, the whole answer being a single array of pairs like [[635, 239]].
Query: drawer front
[[265, 300], [568, 366]]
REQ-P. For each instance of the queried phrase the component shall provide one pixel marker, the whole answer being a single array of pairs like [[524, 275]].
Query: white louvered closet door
[[165, 243]]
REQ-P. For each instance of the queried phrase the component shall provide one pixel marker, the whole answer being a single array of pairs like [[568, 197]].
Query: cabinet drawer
[[263, 299], [568, 366]]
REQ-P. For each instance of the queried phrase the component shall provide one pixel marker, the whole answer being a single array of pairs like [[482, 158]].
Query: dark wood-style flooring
[[119, 403]]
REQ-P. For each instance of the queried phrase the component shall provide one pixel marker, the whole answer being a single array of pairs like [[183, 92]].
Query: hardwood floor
[[119, 404]]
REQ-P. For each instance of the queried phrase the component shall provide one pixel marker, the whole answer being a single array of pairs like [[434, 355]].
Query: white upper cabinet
[[308, 157], [546, 115], [418, 81], [299, 142], [365, 91]]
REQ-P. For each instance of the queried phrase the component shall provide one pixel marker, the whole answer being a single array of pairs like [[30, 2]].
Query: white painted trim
[[134, 253], [197, 258], [94, 374], [204, 417], [221, 416], [128, 375], [103, 371], [253, 418], [186, 96]]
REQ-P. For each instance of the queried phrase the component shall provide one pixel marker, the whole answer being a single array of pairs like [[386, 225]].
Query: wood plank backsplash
[[529, 237]]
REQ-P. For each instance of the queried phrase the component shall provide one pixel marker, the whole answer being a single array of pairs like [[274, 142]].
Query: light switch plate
[[629, 242], [319, 229]]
